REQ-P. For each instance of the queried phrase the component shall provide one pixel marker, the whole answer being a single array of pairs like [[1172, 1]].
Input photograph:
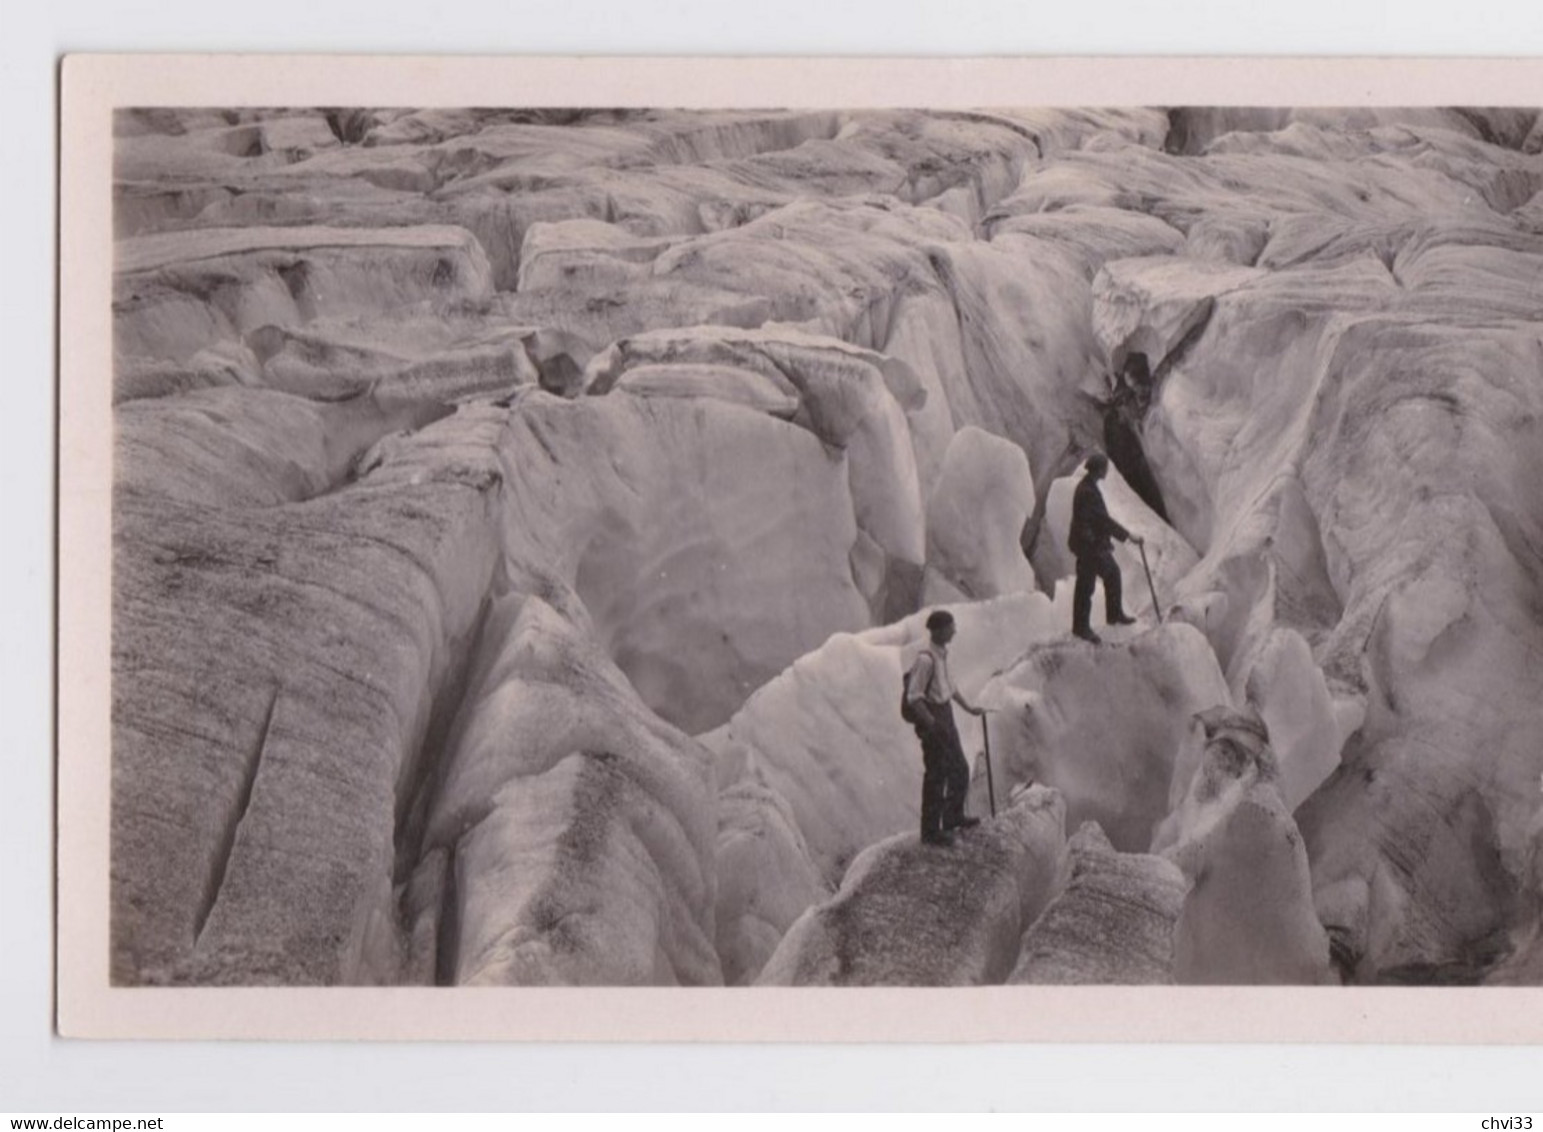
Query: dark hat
[[938, 620], [1097, 462]]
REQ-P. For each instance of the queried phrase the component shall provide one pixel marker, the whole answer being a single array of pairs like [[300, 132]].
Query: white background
[[39, 1073]]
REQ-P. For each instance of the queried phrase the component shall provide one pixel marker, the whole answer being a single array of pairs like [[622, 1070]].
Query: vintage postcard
[[841, 550]]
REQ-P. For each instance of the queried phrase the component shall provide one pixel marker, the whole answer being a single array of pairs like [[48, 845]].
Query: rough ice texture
[[1524, 965], [1112, 923], [983, 497], [1343, 439], [1248, 916], [910, 914], [766, 877], [178, 292], [734, 397], [711, 545], [276, 665], [846, 399], [1103, 724], [582, 825]]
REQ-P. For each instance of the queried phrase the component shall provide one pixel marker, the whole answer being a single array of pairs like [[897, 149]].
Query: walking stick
[[991, 790], [1141, 546]]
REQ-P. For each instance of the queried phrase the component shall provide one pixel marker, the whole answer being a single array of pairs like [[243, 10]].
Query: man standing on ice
[[1089, 538], [930, 695]]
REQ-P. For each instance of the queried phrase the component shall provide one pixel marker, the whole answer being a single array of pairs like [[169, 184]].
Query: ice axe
[[1157, 609], [991, 790]]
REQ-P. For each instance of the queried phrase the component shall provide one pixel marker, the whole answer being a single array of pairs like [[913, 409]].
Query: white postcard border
[[89, 1007]]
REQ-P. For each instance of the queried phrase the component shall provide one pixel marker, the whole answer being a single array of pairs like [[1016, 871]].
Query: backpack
[[906, 712]]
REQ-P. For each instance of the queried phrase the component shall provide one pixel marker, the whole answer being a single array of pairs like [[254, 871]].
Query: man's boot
[[1088, 635]]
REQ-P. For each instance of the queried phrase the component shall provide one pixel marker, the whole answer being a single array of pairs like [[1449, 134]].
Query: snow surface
[[523, 518]]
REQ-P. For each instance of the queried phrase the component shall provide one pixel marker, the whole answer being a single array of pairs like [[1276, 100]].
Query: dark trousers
[[1090, 568], [945, 774]]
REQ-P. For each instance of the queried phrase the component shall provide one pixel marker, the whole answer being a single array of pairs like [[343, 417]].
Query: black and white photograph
[[997, 547]]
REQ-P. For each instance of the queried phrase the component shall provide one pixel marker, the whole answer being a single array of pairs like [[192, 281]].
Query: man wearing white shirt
[[930, 694]]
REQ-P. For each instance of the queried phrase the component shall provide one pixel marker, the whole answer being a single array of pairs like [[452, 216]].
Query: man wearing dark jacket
[[1089, 538]]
